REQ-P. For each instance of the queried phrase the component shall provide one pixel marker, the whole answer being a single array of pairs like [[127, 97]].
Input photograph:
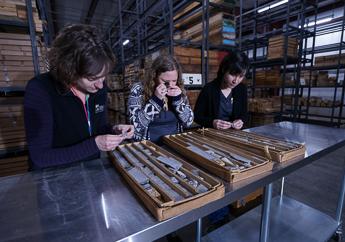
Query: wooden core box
[[274, 149], [228, 162], [165, 183]]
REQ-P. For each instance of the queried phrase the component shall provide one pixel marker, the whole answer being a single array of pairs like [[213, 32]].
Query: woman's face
[[168, 77], [91, 85], [231, 81]]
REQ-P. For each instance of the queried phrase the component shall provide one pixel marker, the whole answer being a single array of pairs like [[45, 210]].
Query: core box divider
[[178, 142], [162, 167], [213, 189], [161, 191], [158, 171]]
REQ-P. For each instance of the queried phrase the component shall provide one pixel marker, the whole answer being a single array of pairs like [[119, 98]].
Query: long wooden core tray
[[230, 163], [166, 184], [274, 149]]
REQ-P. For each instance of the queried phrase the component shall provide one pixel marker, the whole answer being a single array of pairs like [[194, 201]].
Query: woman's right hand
[[221, 124], [161, 91], [108, 142]]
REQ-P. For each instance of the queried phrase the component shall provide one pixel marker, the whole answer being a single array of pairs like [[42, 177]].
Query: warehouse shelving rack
[[250, 39], [297, 11], [8, 23], [12, 24], [151, 27]]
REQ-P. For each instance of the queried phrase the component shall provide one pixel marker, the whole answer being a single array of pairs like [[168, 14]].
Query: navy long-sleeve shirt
[[56, 126]]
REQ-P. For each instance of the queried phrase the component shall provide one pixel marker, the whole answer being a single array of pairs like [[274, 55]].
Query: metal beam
[[91, 11], [53, 24], [32, 31]]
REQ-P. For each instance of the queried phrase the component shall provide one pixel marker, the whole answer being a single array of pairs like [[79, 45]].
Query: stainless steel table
[[89, 201]]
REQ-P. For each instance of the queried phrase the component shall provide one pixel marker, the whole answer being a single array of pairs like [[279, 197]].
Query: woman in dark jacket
[[222, 103]]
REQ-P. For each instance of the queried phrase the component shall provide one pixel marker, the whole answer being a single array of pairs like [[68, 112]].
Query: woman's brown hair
[[160, 65], [79, 51]]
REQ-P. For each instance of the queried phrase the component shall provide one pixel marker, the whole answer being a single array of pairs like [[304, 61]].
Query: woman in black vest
[[222, 103], [65, 109]]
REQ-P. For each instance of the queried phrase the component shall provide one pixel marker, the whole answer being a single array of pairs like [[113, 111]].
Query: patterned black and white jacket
[[142, 114]]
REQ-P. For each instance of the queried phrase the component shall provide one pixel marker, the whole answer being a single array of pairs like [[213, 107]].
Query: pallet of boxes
[[16, 69]]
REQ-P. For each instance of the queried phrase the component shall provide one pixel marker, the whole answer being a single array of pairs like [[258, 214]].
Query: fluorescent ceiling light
[[263, 9], [125, 42], [320, 21], [272, 6], [278, 4]]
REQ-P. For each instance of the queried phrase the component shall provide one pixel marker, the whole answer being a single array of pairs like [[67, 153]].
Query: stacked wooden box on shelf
[[166, 184], [315, 101], [12, 136], [329, 60], [306, 77], [276, 47], [114, 82], [259, 119], [268, 77], [221, 25], [131, 74], [190, 60], [116, 99], [264, 105], [324, 80], [16, 10], [192, 97], [16, 60]]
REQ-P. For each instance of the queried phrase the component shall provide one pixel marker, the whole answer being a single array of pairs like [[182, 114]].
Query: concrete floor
[[316, 185]]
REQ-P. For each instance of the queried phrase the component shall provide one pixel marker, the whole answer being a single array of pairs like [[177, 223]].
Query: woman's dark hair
[[235, 63], [160, 65], [79, 51]]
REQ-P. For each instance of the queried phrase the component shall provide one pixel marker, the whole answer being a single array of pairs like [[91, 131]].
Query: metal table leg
[[282, 186], [265, 213], [340, 208], [198, 230], [282, 189]]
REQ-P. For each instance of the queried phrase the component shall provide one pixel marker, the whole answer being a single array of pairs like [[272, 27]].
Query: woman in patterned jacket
[[159, 106]]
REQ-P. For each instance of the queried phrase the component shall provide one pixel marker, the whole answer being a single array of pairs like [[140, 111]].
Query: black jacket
[[207, 106], [56, 126]]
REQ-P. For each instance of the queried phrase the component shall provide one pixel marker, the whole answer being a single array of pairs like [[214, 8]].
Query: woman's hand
[[237, 124], [126, 130], [161, 91], [108, 142], [221, 124], [174, 91]]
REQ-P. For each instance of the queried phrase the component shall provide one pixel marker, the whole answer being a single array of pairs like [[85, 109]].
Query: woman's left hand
[[174, 91], [124, 129], [237, 124]]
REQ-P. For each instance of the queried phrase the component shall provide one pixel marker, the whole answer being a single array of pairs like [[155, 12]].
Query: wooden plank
[[190, 52], [16, 58], [15, 42]]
